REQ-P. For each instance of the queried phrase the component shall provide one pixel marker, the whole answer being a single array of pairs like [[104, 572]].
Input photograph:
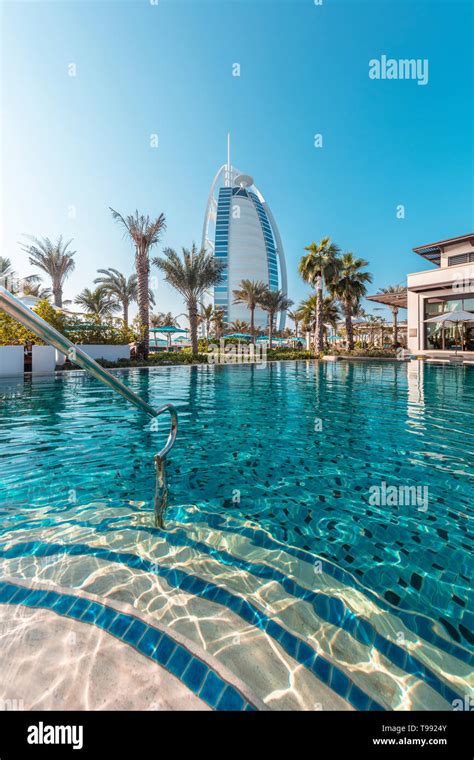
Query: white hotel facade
[[240, 230], [447, 287]]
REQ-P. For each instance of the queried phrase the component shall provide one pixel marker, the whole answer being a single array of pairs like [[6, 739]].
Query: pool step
[[195, 615]]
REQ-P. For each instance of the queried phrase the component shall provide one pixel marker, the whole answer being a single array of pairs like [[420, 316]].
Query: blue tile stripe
[[415, 622], [418, 624], [298, 649], [195, 674], [328, 608]]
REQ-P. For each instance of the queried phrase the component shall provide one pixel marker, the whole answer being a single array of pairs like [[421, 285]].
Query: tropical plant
[[218, 322], [191, 276], [393, 290], [273, 301], [121, 289], [12, 333], [349, 288], [31, 286], [97, 303], [249, 293], [293, 315], [320, 267], [6, 272], [54, 259], [239, 326], [144, 234], [307, 313], [163, 320], [206, 315]]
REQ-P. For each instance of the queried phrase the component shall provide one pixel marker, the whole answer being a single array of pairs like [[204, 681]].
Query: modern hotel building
[[240, 230], [449, 287]]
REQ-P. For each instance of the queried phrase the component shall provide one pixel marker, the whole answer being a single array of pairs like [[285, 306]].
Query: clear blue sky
[[84, 141]]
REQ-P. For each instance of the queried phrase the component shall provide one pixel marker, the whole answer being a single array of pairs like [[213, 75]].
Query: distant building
[[240, 230]]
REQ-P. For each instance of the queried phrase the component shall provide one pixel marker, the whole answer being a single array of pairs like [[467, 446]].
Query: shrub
[[12, 333]]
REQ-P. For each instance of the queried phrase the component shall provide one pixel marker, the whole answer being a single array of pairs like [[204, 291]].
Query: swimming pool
[[319, 544]]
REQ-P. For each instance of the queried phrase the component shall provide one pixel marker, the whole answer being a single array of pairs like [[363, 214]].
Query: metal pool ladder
[[16, 309]]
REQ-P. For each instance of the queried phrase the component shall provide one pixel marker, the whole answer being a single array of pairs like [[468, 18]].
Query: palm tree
[[393, 289], [349, 288], [191, 276], [163, 320], [6, 271], [218, 321], [119, 288], [296, 319], [249, 293], [97, 303], [239, 326], [319, 267], [207, 311], [307, 313], [53, 258], [273, 301], [31, 286], [144, 234]]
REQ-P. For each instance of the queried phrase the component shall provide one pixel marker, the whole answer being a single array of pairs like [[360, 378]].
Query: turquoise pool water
[[335, 500]]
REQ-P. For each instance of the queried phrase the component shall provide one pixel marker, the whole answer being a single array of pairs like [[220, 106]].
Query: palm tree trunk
[[319, 315], [395, 325], [296, 330], [142, 265], [57, 295], [270, 329], [193, 324], [349, 326], [252, 322], [125, 314]]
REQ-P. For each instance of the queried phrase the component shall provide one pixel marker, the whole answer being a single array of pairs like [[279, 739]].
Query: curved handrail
[[173, 430], [29, 319]]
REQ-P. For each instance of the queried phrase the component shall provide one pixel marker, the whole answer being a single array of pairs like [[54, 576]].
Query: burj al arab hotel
[[239, 229]]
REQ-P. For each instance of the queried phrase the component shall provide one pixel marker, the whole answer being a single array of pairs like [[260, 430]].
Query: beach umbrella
[[454, 318], [246, 336], [167, 330]]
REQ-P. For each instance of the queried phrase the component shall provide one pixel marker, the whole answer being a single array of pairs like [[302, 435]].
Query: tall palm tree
[[273, 301], [218, 321], [119, 288], [320, 267], [296, 319], [249, 292], [97, 303], [191, 276], [394, 289], [207, 310], [349, 288], [53, 258], [144, 234]]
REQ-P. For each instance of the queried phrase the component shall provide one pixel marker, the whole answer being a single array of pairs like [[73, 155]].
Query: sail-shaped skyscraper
[[240, 230]]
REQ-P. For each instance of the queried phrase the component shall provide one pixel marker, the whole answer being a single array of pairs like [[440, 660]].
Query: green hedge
[[12, 333]]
